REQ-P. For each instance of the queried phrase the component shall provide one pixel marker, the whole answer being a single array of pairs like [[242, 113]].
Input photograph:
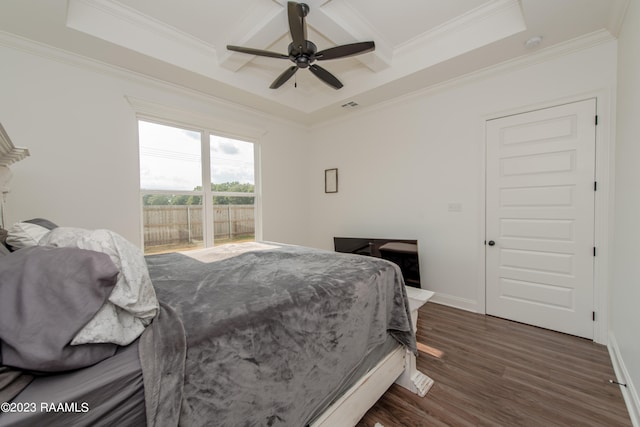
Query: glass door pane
[[171, 184], [231, 162], [232, 175], [170, 158], [234, 221], [172, 223]]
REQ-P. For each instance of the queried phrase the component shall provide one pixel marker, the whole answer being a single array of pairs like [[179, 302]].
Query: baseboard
[[630, 393], [455, 302]]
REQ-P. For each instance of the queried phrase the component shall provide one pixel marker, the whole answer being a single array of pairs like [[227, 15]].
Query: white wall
[[401, 165], [625, 312], [82, 135]]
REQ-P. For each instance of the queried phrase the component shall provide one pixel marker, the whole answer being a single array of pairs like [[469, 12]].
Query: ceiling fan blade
[[282, 78], [345, 50], [257, 52], [297, 26], [325, 76]]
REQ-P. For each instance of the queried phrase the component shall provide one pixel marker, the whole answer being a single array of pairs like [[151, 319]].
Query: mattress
[[109, 393], [112, 393], [264, 334]]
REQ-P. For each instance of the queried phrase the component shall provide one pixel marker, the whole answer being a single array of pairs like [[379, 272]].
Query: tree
[[156, 199], [235, 187], [183, 199]]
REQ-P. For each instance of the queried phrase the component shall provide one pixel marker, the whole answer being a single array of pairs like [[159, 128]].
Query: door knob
[[491, 243]]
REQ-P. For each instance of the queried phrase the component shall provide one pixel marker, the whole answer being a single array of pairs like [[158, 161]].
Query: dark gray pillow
[[26, 233], [47, 295]]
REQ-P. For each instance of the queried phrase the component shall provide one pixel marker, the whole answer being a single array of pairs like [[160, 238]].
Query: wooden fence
[[182, 224]]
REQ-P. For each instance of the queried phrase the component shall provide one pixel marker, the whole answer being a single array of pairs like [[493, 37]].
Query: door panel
[[540, 213]]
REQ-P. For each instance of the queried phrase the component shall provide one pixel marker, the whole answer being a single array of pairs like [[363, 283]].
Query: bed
[[247, 334]]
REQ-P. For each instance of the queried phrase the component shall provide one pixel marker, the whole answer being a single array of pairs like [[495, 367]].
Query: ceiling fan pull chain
[[295, 82]]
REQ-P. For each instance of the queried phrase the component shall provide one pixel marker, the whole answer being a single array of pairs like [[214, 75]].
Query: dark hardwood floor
[[495, 372]]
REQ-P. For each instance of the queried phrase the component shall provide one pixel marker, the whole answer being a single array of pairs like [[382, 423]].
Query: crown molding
[[492, 15], [62, 56], [124, 26], [15, 42], [540, 56], [616, 19]]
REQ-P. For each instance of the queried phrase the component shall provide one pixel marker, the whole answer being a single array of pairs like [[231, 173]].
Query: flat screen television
[[403, 252]]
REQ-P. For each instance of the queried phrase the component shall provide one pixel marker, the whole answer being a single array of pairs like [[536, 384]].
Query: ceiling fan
[[303, 53]]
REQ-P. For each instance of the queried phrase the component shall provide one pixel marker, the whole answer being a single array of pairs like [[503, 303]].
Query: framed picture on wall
[[331, 180]]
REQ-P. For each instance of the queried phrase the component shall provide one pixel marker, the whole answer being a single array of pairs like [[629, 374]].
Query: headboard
[[9, 154]]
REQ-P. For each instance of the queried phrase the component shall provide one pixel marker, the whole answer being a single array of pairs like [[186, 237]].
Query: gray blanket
[[270, 333]]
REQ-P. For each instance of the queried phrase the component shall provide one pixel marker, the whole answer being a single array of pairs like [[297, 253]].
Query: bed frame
[[399, 366]]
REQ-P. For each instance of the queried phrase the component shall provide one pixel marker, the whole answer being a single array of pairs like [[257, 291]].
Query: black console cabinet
[[402, 252]]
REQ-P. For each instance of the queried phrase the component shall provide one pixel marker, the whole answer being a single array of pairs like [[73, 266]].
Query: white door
[[540, 217]]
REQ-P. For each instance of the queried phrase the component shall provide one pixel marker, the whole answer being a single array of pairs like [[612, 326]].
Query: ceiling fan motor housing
[[303, 57]]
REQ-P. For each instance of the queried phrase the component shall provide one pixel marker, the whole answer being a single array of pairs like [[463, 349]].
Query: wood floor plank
[[495, 372]]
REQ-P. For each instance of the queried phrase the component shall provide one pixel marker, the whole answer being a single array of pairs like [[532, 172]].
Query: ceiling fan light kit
[[303, 53]]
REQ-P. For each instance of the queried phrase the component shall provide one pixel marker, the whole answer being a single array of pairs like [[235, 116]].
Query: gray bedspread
[[271, 331]]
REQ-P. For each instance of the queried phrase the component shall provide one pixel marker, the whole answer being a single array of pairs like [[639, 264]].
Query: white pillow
[[132, 303], [24, 234]]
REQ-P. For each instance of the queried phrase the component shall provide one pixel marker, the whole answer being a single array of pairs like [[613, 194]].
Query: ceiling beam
[[265, 33], [343, 25]]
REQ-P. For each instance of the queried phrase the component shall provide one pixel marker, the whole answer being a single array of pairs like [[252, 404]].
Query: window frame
[[206, 126]]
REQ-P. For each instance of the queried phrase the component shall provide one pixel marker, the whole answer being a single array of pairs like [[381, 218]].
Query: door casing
[[605, 150], [540, 207]]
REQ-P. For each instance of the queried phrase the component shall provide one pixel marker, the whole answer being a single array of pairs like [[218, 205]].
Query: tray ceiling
[[419, 43]]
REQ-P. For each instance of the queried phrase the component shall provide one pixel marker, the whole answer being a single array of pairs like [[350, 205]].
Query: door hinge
[[594, 251], [593, 316], [596, 120], [595, 185]]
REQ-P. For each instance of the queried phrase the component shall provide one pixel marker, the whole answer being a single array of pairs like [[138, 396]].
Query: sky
[[170, 158]]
